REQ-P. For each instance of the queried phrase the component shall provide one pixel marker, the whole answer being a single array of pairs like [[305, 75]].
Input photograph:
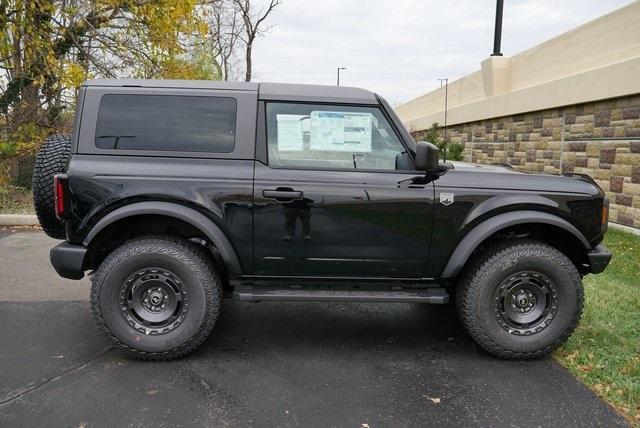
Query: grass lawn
[[604, 351], [15, 200]]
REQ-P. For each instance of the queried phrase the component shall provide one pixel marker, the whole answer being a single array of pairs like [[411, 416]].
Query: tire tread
[[188, 253], [480, 269], [50, 160]]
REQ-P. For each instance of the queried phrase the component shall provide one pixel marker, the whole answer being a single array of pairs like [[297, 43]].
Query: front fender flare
[[482, 231], [198, 220]]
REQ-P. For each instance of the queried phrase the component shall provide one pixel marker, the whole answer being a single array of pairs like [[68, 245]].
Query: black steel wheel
[[526, 302], [520, 299], [156, 297], [154, 301]]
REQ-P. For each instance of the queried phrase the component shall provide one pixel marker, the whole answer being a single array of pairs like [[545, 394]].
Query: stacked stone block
[[533, 142]]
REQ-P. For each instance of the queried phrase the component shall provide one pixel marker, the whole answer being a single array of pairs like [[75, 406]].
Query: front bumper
[[599, 258], [67, 259]]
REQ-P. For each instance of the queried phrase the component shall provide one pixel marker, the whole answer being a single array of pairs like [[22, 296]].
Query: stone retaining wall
[[533, 142]]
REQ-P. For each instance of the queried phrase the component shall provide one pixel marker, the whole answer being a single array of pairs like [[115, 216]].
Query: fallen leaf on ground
[[586, 368], [434, 400], [572, 356]]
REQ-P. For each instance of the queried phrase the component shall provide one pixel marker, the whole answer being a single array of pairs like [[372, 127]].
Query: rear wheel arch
[[542, 226], [164, 217]]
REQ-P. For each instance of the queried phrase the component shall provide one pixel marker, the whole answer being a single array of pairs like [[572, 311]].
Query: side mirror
[[426, 156]]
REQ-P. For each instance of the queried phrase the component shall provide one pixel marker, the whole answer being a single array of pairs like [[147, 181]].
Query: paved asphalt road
[[266, 364]]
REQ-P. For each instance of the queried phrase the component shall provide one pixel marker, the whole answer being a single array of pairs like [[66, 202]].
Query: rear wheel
[[520, 300], [51, 160], [156, 297]]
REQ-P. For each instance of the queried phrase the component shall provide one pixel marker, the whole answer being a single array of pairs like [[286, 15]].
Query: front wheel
[[156, 297], [520, 300]]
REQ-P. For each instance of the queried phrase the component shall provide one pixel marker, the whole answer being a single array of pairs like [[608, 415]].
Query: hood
[[503, 177], [501, 168]]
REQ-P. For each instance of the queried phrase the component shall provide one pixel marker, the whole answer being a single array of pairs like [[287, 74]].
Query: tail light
[[59, 195]]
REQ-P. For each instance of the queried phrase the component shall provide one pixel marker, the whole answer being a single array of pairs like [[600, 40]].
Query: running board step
[[314, 294]]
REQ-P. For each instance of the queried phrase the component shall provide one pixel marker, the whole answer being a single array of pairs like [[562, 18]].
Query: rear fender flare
[[198, 220], [482, 231]]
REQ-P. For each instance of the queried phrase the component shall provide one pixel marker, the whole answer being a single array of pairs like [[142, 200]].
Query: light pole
[[340, 68], [445, 80], [497, 32]]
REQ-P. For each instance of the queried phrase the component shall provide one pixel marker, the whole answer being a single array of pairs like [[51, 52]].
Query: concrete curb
[[629, 229], [18, 220]]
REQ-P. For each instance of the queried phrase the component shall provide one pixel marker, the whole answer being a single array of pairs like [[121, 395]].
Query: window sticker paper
[[341, 131]]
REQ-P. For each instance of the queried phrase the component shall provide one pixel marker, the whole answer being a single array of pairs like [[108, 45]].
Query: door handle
[[282, 194]]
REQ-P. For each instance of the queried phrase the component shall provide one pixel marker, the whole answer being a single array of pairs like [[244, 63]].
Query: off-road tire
[[480, 282], [197, 274], [50, 160]]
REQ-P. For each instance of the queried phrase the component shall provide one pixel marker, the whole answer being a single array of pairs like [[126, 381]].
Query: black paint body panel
[[481, 192], [220, 189], [361, 223]]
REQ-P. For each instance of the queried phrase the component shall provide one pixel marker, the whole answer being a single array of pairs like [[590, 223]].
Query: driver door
[[337, 197]]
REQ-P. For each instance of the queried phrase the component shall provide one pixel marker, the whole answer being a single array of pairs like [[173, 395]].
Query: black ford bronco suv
[[174, 194]]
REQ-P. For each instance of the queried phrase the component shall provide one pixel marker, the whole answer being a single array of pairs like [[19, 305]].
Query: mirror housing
[[427, 156]]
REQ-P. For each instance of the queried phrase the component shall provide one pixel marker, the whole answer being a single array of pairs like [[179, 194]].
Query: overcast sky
[[399, 48]]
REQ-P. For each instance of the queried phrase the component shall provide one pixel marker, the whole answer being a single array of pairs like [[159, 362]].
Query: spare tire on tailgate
[[51, 160]]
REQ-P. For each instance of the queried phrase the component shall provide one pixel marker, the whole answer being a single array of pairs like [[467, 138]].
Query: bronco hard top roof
[[266, 91]]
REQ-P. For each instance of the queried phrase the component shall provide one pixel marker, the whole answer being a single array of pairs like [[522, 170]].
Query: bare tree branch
[[252, 22]]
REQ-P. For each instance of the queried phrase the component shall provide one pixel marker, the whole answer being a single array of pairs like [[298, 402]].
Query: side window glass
[[166, 123], [331, 137]]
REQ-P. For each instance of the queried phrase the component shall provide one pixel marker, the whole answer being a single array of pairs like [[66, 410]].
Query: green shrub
[[455, 151], [448, 150]]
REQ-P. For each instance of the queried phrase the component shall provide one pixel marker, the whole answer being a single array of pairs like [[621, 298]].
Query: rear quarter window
[[166, 123]]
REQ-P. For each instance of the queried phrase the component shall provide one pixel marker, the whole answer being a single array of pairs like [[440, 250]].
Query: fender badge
[[446, 198]]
